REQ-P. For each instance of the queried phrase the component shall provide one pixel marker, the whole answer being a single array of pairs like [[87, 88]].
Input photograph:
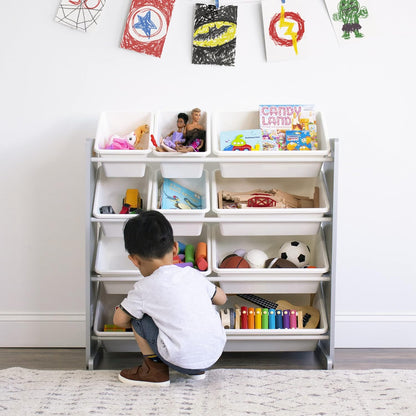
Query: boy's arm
[[220, 297], [121, 318]]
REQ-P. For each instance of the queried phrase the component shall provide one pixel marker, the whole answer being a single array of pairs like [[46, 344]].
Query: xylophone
[[243, 317], [272, 315]]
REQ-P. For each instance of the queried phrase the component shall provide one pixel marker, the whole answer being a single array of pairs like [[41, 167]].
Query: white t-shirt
[[179, 300]]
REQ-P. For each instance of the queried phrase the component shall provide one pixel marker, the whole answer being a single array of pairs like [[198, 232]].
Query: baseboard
[[42, 330], [375, 331], [68, 331]]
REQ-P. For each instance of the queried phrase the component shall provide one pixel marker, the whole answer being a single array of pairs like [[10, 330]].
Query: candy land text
[[278, 116]]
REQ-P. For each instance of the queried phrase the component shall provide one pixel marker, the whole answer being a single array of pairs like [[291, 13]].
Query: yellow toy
[[139, 132], [132, 198]]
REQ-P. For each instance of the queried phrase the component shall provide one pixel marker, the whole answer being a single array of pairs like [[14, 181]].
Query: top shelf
[[233, 164], [283, 165]]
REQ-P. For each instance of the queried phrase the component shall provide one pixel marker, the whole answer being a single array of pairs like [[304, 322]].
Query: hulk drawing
[[349, 12]]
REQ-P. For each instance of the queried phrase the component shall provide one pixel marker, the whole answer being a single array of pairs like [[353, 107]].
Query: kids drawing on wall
[[215, 35], [147, 26], [80, 14], [353, 22], [350, 12]]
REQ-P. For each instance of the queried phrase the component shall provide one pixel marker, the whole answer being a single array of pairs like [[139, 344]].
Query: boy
[[170, 309]]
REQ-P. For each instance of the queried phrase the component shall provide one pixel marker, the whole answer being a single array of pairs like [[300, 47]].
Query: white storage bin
[[192, 165], [111, 191], [184, 221], [104, 312], [276, 339], [112, 258], [268, 164], [115, 285], [123, 162], [296, 280], [291, 221]]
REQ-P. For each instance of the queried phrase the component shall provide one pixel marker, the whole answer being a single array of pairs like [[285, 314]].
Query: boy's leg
[[144, 346], [152, 371]]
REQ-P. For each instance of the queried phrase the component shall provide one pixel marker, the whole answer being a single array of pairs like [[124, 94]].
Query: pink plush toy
[[129, 142]]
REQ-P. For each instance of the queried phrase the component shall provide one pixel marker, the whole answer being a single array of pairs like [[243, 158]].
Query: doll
[[169, 143], [194, 135]]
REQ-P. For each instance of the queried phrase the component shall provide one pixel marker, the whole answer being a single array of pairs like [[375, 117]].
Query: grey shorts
[[148, 330]]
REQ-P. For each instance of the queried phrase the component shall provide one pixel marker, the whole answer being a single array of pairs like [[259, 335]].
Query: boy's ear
[[135, 260], [175, 248]]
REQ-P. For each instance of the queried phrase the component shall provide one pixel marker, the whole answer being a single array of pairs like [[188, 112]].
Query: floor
[[74, 358]]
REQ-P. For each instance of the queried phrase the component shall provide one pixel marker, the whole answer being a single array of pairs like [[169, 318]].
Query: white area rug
[[225, 392]]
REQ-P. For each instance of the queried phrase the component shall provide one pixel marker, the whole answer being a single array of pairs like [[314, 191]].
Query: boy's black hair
[[184, 117], [149, 235]]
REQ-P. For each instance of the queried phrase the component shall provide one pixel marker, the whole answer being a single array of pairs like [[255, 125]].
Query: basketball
[[234, 262]]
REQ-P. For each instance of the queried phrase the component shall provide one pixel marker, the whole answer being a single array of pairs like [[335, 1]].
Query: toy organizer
[[110, 275]]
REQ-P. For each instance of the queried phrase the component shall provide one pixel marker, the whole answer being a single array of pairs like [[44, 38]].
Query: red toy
[[201, 256]]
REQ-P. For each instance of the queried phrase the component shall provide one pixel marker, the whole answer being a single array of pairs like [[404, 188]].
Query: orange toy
[[201, 256]]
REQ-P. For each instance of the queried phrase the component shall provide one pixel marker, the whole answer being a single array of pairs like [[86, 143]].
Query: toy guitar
[[311, 315]]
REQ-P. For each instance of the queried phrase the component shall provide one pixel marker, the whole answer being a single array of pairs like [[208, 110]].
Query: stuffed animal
[[129, 142]]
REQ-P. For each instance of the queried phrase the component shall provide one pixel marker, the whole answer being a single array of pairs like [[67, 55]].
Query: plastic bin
[[124, 163], [111, 191], [112, 258], [290, 221], [184, 221], [296, 280], [268, 164], [277, 339], [112, 341], [165, 122]]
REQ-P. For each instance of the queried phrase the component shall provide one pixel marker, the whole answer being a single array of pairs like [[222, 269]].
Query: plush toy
[[296, 252], [129, 142]]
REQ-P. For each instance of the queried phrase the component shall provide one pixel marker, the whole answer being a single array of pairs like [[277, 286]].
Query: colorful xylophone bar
[[245, 317]]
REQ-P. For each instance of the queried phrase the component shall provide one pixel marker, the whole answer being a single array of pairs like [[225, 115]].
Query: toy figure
[[349, 12], [170, 142], [194, 135], [129, 142]]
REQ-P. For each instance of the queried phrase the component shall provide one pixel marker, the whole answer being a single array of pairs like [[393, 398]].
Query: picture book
[[241, 140], [176, 196]]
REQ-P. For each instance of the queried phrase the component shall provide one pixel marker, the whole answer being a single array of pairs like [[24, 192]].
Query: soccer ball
[[296, 252]]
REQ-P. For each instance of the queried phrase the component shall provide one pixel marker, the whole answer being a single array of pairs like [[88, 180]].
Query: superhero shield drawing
[[147, 26], [214, 38]]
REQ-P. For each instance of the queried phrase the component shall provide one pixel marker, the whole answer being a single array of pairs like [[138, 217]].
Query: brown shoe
[[149, 372]]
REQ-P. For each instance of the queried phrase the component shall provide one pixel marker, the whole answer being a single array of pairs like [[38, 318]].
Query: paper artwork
[[214, 37], [147, 26], [352, 21], [80, 14], [285, 29]]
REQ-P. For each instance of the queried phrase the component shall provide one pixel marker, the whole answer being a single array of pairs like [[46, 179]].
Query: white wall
[[55, 81]]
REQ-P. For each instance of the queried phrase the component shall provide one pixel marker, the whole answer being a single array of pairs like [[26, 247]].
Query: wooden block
[[237, 316]]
